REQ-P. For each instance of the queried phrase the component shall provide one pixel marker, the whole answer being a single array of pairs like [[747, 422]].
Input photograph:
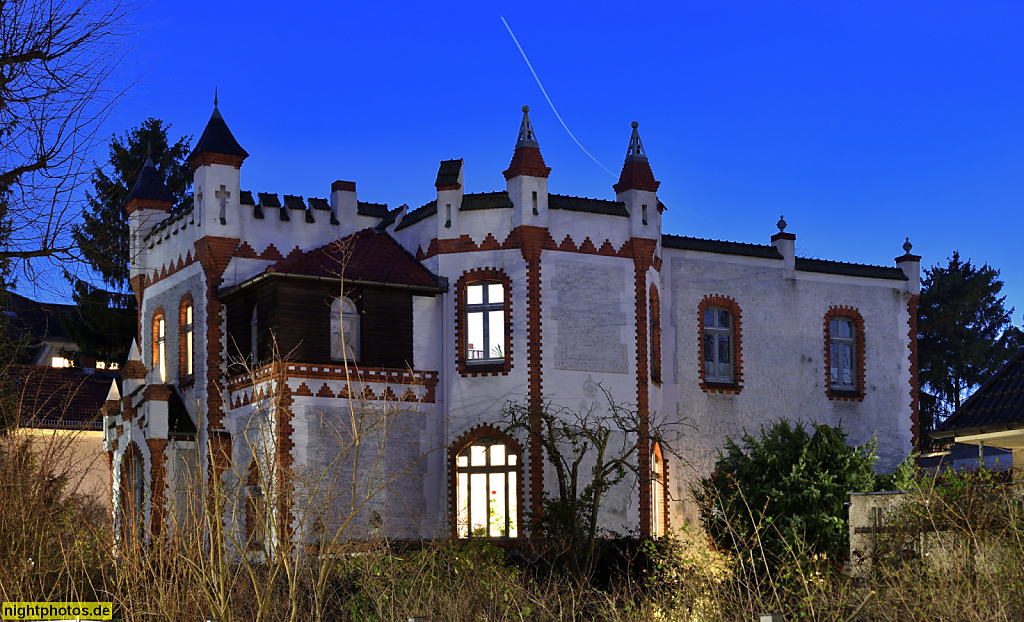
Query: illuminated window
[[160, 345], [485, 323], [487, 503], [60, 361], [345, 329], [658, 490], [187, 340]]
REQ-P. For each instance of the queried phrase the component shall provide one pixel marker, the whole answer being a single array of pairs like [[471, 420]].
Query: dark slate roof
[[485, 200], [386, 221], [448, 173], [39, 320], [245, 198], [293, 202], [366, 255], [584, 204], [321, 204], [64, 398], [150, 185], [377, 210], [849, 269], [997, 405], [269, 200], [217, 138], [719, 246], [418, 214]]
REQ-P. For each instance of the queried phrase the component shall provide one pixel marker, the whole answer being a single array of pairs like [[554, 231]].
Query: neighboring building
[[444, 313], [40, 323], [993, 417]]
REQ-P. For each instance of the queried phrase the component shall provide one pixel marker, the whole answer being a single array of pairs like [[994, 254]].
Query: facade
[[274, 332]]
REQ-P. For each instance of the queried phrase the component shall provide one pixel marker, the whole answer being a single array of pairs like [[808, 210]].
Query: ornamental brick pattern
[[469, 437], [214, 254], [207, 157], [643, 256], [284, 431], [915, 387], [533, 241], [715, 300], [158, 483], [130, 463], [655, 336], [158, 314], [464, 367], [858, 324]]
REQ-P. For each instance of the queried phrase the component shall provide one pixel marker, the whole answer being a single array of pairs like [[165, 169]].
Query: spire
[[527, 137], [527, 159], [636, 170], [149, 191], [217, 145], [636, 151]]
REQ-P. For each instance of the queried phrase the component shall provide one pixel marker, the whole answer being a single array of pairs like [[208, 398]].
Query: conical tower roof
[[636, 170], [149, 185], [217, 140], [527, 159]]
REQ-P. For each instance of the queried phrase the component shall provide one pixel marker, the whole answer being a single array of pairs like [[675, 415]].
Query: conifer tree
[[107, 312]]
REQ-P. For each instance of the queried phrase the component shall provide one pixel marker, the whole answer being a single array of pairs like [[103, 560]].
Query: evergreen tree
[[965, 334], [108, 316]]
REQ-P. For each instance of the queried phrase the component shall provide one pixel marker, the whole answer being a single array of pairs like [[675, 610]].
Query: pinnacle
[[527, 137]]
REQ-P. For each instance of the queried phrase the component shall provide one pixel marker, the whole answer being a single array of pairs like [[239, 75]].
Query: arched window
[[658, 492], [255, 510], [160, 344], [720, 345], [186, 345], [487, 488], [345, 330], [133, 487], [655, 316]]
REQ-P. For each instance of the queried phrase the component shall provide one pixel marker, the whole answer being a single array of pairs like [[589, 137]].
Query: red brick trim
[[715, 300], [915, 387], [514, 240], [158, 314], [527, 161], [349, 377], [285, 432], [465, 367], [156, 393], [206, 157], [858, 324], [136, 204], [213, 254], [655, 335], [467, 438], [148, 280], [130, 461], [531, 242], [343, 186], [643, 257], [636, 175], [158, 483], [252, 479], [186, 379]]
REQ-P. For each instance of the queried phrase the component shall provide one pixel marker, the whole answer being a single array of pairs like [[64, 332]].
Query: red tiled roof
[[65, 398], [365, 255]]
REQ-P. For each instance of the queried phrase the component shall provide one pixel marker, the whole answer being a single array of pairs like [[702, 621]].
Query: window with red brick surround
[[735, 334], [655, 304], [133, 490], [848, 383], [659, 493], [186, 340], [482, 359], [485, 489], [255, 510], [160, 344]]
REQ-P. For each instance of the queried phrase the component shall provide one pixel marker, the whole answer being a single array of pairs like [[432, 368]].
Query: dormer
[[216, 162], [638, 189], [449, 184], [527, 178]]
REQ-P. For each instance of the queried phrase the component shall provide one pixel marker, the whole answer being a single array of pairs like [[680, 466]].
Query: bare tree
[[57, 67]]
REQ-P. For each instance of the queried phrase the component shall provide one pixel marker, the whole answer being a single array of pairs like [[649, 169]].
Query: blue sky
[[862, 122]]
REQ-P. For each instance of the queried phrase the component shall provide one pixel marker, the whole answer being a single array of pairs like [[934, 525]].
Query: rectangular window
[[842, 342], [717, 345], [189, 364], [485, 322], [486, 492]]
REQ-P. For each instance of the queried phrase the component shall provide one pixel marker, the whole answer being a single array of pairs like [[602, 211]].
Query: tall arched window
[[345, 330], [133, 487], [487, 487], [720, 345], [485, 322], [255, 510], [844, 353], [160, 344], [658, 492], [186, 345]]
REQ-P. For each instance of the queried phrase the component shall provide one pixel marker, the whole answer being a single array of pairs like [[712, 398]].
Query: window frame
[[659, 492], [160, 344], [719, 384], [486, 366], [338, 319], [255, 510], [486, 436], [841, 391], [186, 340]]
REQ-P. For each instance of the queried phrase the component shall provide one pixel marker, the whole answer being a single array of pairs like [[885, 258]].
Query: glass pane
[[474, 294], [511, 459], [709, 318], [496, 348], [846, 363], [513, 504], [833, 355], [161, 327], [478, 504], [463, 505], [188, 353], [463, 461], [188, 314], [475, 336], [495, 292], [845, 327], [478, 455], [723, 318], [833, 328], [496, 507], [724, 349], [497, 455]]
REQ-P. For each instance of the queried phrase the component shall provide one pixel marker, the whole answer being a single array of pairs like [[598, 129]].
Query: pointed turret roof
[[149, 185], [527, 159], [636, 170], [217, 140]]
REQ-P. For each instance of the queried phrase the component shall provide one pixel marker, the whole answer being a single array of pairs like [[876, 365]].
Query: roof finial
[[215, 97], [636, 151], [782, 223], [149, 154], [907, 246], [527, 137]]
